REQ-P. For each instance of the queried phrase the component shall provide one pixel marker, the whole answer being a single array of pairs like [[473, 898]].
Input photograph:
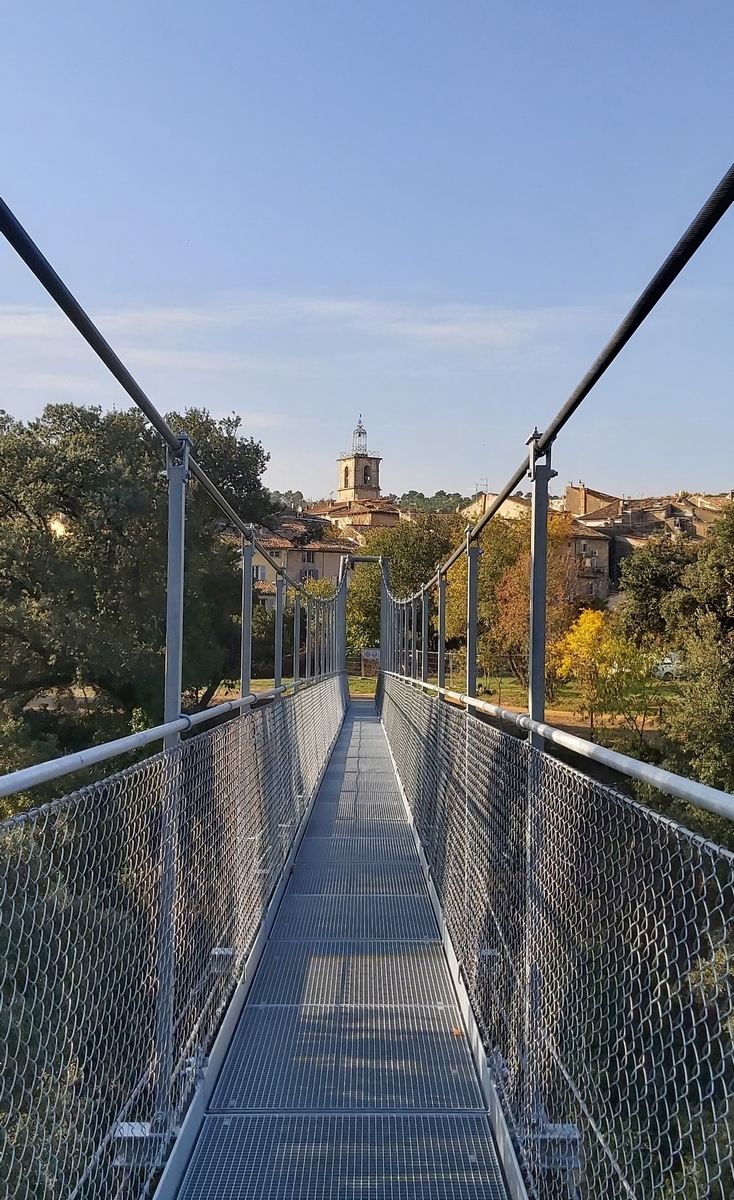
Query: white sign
[[370, 655]]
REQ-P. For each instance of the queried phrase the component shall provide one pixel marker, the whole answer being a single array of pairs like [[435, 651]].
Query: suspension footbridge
[[310, 948]]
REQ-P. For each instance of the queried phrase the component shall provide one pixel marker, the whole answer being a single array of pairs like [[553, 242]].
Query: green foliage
[[442, 502], [649, 576], [684, 597], [288, 499], [700, 724], [503, 610], [413, 550], [83, 507], [617, 678], [363, 608]]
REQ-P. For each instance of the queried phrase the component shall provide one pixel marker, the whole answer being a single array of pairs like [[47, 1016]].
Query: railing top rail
[[27, 249], [706, 220], [700, 794], [55, 768]]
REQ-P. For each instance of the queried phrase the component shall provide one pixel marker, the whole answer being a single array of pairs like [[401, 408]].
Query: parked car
[[669, 667]]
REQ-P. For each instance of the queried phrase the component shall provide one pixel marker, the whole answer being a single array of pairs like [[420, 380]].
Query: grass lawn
[[362, 687]]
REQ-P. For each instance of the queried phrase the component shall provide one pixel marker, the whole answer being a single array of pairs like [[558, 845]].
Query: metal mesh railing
[[595, 937], [128, 910]]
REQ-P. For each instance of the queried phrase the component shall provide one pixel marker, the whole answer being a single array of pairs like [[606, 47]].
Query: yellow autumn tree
[[616, 678], [583, 655]]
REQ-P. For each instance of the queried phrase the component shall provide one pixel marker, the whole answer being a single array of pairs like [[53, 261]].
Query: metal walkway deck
[[349, 1074]]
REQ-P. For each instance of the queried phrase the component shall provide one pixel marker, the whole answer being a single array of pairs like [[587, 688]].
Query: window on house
[[276, 553], [367, 475], [307, 556], [346, 477], [258, 574], [583, 547], [590, 589], [309, 573]]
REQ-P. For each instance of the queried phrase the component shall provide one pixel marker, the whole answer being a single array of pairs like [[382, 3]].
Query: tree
[[83, 502], [445, 502], [413, 550], [363, 608], [616, 677], [291, 500], [503, 610], [584, 656], [649, 577]]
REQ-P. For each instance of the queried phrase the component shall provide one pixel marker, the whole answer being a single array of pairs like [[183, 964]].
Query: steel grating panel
[[349, 1076], [344, 1158], [398, 847], [352, 973], [392, 918], [383, 807], [326, 826], [348, 1057], [398, 879]]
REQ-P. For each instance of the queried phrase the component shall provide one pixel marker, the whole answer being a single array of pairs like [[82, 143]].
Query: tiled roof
[[580, 530]]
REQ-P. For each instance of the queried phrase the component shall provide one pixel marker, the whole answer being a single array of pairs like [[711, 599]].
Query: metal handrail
[[699, 794], [23, 244], [706, 220], [54, 768]]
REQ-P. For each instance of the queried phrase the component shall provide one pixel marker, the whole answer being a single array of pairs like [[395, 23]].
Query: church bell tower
[[359, 471]]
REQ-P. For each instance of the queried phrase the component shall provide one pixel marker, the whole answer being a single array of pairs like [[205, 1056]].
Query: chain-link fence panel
[[596, 940], [128, 911]]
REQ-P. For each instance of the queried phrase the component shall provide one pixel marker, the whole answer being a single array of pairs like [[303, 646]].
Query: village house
[[590, 547], [308, 548], [629, 523]]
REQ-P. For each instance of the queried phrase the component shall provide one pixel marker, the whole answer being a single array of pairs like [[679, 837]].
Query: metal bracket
[[180, 459], [137, 1145], [558, 1147], [533, 455]]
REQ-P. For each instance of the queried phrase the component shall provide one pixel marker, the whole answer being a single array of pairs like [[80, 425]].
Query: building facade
[[308, 549]]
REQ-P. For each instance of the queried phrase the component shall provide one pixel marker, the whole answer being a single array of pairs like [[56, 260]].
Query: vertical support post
[[296, 637], [278, 630], [472, 574], [309, 638], [332, 634], [341, 660], [246, 640], [442, 631], [406, 642], [425, 601], [540, 474], [414, 638], [384, 623], [322, 639], [177, 469]]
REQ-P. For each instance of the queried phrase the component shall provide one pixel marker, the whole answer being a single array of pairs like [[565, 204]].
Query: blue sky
[[433, 214]]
